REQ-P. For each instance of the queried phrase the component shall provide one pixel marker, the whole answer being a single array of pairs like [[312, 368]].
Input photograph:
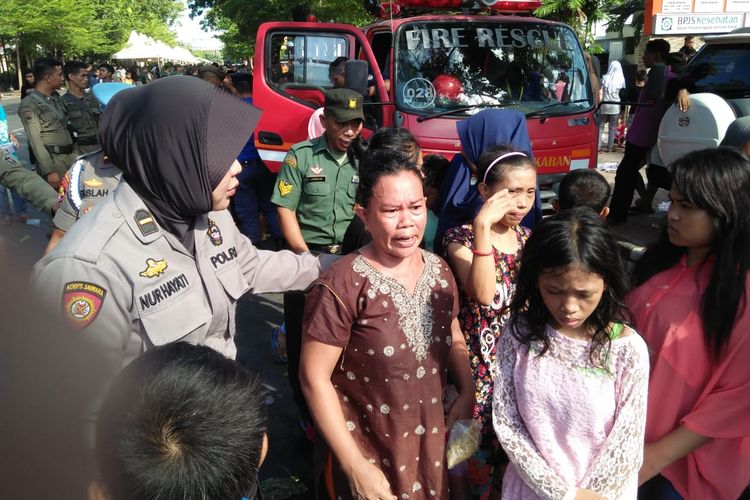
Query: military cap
[[344, 105]]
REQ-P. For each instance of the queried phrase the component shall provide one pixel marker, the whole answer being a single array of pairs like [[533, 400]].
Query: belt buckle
[[334, 248]]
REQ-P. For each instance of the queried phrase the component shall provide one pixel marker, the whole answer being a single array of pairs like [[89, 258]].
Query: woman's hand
[[683, 100], [651, 464], [494, 209], [461, 409], [368, 482]]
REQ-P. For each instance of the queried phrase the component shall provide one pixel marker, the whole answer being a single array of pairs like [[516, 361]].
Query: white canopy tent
[[142, 47]]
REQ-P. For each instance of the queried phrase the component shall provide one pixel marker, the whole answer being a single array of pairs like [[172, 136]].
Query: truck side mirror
[[355, 73]]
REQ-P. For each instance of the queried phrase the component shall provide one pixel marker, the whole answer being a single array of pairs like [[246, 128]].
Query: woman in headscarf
[[160, 259], [612, 82], [459, 200]]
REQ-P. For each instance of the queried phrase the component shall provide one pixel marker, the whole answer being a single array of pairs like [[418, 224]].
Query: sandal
[[277, 351]]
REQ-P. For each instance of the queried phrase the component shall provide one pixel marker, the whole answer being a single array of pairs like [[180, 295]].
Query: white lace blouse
[[567, 424]]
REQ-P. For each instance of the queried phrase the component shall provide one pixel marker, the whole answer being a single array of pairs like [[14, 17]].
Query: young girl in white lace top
[[569, 405]]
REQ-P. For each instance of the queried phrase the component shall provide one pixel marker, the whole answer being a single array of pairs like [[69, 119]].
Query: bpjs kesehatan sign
[[675, 24]]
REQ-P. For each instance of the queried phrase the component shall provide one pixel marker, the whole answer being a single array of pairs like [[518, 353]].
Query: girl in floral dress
[[484, 257]]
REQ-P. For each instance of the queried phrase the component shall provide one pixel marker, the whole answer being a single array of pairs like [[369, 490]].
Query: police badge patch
[[82, 302], [214, 234]]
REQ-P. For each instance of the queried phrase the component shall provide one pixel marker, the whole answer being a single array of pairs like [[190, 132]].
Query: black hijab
[[174, 140]]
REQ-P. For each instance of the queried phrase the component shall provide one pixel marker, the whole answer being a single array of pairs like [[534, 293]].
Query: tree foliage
[[239, 19], [581, 15], [83, 28]]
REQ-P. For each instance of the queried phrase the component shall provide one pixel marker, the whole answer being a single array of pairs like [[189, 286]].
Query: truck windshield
[[722, 69], [469, 66]]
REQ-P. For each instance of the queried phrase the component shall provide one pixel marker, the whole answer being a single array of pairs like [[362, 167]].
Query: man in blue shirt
[[256, 181]]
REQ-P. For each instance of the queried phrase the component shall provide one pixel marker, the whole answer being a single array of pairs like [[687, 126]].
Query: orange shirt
[[688, 388]]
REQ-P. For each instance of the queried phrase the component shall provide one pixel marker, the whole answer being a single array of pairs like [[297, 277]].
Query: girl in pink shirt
[[692, 309], [570, 395]]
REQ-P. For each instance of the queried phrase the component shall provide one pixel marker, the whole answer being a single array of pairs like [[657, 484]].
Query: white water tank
[[702, 126]]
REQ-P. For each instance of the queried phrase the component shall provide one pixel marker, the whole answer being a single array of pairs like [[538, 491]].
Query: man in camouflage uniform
[[46, 125], [81, 107]]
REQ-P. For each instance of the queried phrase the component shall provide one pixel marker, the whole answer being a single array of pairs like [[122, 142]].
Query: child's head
[[571, 278], [501, 167], [181, 421], [583, 188], [398, 139], [433, 169]]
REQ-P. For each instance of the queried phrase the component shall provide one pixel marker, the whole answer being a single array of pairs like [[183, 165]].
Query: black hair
[[378, 163], [243, 82], [72, 67], [337, 65], [106, 66], [576, 237], [717, 181], [659, 46], [584, 188], [641, 75], [398, 139], [499, 169], [181, 421], [434, 168], [28, 71], [676, 61], [45, 66]]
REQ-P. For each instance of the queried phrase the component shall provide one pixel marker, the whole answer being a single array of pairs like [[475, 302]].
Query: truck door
[[291, 78]]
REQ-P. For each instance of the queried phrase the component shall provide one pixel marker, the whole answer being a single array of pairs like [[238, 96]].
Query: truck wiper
[[465, 108], [538, 112]]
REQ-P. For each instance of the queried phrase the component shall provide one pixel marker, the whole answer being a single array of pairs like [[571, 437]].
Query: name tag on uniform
[[315, 178]]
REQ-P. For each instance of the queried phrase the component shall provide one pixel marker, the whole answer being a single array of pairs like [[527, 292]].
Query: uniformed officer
[[46, 125], [31, 187], [160, 259], [81, 106], [91, 178], [315, 192]]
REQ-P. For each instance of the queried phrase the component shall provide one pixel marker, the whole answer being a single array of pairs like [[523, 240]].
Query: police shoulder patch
[[145, 222], [82, 301]]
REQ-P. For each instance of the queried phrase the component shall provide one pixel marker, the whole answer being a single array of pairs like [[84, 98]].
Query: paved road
[[290, 454]]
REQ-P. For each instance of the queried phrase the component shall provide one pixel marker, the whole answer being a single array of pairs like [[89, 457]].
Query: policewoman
[[314, 193], [160, 259]]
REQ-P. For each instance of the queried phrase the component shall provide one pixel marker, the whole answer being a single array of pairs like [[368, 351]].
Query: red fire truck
[[428, 68]]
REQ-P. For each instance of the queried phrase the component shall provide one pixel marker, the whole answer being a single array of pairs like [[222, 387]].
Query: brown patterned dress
[[392, 371]]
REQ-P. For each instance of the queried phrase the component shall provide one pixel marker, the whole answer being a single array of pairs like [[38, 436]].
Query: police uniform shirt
[[132, 285], [84, 116], [46, 126], [321, 191], [91, 178]]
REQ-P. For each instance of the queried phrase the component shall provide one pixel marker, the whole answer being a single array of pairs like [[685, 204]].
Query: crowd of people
[[581, 382]]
